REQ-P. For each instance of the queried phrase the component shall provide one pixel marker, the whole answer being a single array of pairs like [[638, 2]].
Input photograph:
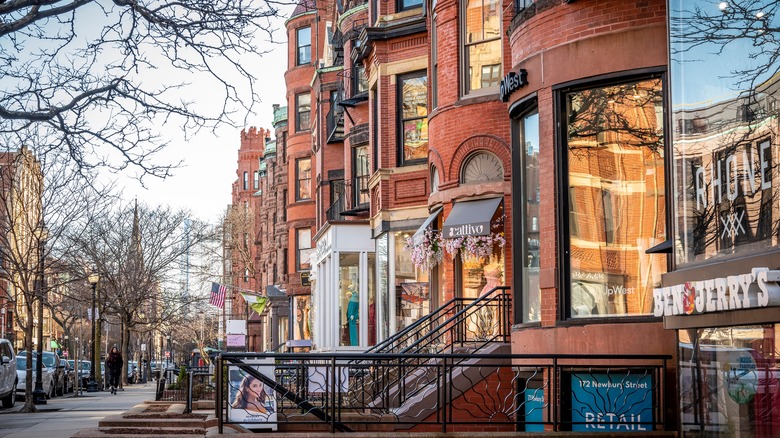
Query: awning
[[470, 218], [418, 235]]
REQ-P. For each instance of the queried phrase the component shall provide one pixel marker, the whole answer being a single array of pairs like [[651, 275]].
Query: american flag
[[218, 295]]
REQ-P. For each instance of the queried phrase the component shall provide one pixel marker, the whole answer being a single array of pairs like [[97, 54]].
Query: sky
[[203, 183]]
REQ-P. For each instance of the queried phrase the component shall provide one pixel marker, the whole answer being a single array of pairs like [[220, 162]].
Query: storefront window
[[412, 294], [371, 299], [724, 117], [529, 139], [349, 299], [615, 147], [730, 381], [302, 309], [383, 285]]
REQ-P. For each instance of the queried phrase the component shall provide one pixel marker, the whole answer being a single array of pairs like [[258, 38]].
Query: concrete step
[[141, 420], [97, 433], [153, 431]]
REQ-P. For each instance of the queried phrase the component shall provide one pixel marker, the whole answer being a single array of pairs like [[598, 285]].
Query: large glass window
[[408, 4], [481, 44], [434, 65], [372, 299], [383, 285], [303, 179], [412, 292], [730, 381], [302, 309], [614, 144], [303, 39], [359, 80], [413, 103], [302, 111], [349, 299], [362, 173], [304, 251], [724, 116], [246, 181], [529, 140]]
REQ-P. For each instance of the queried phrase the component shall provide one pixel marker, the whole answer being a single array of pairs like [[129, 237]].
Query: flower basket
[[474, 247], [427, 253]]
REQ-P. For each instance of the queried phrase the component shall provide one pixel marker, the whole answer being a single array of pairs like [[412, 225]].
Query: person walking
[[114, 364]]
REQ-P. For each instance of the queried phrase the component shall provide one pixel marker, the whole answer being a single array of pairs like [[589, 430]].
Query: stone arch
[[480, 142]]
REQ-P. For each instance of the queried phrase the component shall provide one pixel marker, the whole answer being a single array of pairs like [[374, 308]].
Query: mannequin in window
[[353, 314], [487, 323], [492, 273]]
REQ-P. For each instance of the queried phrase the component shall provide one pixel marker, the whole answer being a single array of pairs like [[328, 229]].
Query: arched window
[[434, 180], [482, 167]]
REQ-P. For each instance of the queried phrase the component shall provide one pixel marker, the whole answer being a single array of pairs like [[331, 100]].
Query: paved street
[[64, 416]]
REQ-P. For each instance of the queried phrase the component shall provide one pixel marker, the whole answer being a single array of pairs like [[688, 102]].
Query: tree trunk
[[28, 387], [125, 329], [97, 342]]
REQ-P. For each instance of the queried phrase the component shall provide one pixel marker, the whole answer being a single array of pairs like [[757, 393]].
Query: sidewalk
[[63, 417]]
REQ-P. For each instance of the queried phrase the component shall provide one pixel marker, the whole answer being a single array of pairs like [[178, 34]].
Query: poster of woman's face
[[252, 403]]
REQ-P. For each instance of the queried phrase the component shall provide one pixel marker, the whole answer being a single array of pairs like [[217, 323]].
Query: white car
[[21, 372], [7, 374]]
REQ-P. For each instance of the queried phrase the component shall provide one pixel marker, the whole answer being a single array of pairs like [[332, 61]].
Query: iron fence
[[200, 386], [442, 392]]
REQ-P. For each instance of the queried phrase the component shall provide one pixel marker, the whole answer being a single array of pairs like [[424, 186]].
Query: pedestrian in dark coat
[[114, 364]]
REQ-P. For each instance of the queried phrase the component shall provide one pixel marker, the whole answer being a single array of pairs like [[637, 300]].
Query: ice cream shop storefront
[[722, 296]]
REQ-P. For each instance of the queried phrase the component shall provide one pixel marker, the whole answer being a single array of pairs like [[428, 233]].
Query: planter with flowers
[[428, 252], [474, 247]]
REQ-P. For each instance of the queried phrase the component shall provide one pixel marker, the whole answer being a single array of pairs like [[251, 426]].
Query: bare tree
[[98, 80], [139, 252], [41, 196], [239, 235]]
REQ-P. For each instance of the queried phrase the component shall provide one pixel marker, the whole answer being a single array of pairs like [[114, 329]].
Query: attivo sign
[[759, 288]]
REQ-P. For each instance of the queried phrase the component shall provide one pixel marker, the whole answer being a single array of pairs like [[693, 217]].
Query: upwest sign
[[759, 288], [511, 83]]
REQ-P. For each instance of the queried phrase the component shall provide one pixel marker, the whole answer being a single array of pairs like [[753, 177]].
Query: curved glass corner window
[[303, 39], [724, 120], [615, 147], [413, 103], [482, 44], [529, 139]]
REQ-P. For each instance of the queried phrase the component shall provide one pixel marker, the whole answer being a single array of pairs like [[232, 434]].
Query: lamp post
[[38, 394], [92, 385]]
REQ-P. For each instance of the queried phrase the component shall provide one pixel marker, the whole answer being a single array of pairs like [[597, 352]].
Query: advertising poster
[[611, 402], [251, 403]]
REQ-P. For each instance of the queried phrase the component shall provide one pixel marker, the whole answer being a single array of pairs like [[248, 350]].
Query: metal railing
[[454, 392], [199, 387]]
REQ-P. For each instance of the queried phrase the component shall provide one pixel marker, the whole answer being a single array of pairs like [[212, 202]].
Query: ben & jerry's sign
[[759, 288]]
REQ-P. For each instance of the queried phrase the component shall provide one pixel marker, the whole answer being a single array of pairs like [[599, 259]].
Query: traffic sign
[[65, 353], [167, 354]]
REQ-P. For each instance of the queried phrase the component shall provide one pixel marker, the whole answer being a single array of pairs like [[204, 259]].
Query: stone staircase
[[158, 419]]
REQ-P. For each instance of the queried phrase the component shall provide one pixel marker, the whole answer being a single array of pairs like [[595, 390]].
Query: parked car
[[7, 374], [70, 375], [84, 367], [52, 361], [47, 377]]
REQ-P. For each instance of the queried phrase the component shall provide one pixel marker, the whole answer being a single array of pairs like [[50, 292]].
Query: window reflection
[[725, 121], [616, 197], [349, 299], [730, 381], [412, 292], [482, 23]]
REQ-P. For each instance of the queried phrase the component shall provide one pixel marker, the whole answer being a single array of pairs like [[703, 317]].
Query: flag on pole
[[256, 303], [218, 295]]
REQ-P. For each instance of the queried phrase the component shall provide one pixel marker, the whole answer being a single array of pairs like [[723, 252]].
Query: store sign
[[611, 402], [759, 288], [305, 281], [511, 83], [323, 247], [467, 230]]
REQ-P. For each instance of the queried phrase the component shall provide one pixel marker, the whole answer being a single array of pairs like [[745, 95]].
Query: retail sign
[[323, 247], [236, 340], [611, 402], [305, 281], [512, 82], [759, 288]]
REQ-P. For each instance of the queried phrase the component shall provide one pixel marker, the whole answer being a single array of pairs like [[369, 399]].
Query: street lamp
[[38, 394], [92, 385]]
